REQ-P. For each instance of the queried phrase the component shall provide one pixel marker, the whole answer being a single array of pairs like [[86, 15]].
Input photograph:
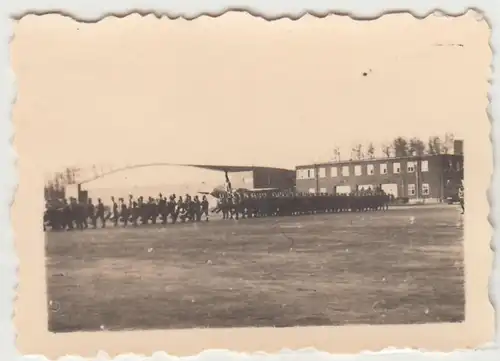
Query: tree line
[[55, 187], [402, 147]]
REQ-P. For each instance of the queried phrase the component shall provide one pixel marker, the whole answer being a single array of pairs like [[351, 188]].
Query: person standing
[[116, 212], [124, 216], [204, 208], [91, 213], [100, 213]]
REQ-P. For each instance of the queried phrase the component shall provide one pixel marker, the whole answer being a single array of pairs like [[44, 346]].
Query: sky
[[239, 90]]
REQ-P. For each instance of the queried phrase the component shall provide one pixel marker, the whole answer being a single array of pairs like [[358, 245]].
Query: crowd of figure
[[68, 215], [254, 205]]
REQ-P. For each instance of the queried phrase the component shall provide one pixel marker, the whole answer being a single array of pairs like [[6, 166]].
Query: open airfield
[[404, 265]]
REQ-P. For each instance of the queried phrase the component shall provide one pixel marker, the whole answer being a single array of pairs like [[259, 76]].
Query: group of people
[[73, 214], [288, 203], [67, 215]]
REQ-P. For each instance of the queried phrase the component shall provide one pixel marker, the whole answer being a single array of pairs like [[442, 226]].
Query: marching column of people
[[69, 215], [253, 205]]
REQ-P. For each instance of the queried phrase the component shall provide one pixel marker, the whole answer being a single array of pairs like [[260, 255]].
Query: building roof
[[376, 160]]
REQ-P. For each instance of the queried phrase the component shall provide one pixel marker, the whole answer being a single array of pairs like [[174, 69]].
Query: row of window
[[358, 170], [425, 191]]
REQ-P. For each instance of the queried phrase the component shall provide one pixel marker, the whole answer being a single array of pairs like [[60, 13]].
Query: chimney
[[458, 147]]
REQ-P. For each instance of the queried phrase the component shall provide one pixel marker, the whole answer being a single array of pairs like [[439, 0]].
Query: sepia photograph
[[233, 173], [369, 239]]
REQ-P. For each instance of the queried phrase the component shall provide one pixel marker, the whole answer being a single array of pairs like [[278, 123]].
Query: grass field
[[400, 266]]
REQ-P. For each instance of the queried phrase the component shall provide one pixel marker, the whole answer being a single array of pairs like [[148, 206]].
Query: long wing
[[222, 168]]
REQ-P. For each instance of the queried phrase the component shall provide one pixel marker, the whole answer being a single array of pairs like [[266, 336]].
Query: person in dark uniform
[[162, 208], [204, 208], [152, 210], [100, 213], [134, 213], [142, 210], [84, 213], [235, 208], [115, 212], [188, 209], [181, 209], [123, 212], [68, 215], [172, 208], [196, 205], [78, 213], [91, 213]]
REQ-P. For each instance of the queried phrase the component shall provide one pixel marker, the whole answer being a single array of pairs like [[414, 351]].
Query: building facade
[[263, 177], [412, 177]]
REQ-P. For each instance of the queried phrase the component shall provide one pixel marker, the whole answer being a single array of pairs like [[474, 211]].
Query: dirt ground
[[400, 266]]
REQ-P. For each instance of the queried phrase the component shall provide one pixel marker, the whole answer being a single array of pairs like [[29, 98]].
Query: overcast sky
[[240, 90]]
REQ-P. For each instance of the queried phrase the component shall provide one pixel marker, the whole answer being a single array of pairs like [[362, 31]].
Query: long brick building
[[414, 177]]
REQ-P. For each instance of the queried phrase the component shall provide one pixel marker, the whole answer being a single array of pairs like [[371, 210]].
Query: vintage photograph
[[234, 173], [364, 239]]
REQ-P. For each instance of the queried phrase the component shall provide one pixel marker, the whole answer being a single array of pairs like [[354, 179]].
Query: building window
[[322, 172], [345, 171], [300, 174], [370, 169], [322, 190], [410, 167], [312, 190], [411, 190], [426, 189], [396, 168], [333, 171], [424, 166], [310, 174], [383, 168], [357, 170]]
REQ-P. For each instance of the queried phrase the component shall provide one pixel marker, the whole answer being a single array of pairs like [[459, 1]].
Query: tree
[[54, 189], [416, 146], [358, 151], [370, 151], [434, 145], [336, 154], [447, 145], [386, 150], [69, 175], [400, 145]]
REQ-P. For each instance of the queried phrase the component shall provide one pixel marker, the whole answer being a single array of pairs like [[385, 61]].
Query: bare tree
[[336, 154], [54, 188], [371, 151], [416, 146], [447, 145], [358, 151], [386, 150], [59, 180], [434, 145], [400, 145]]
